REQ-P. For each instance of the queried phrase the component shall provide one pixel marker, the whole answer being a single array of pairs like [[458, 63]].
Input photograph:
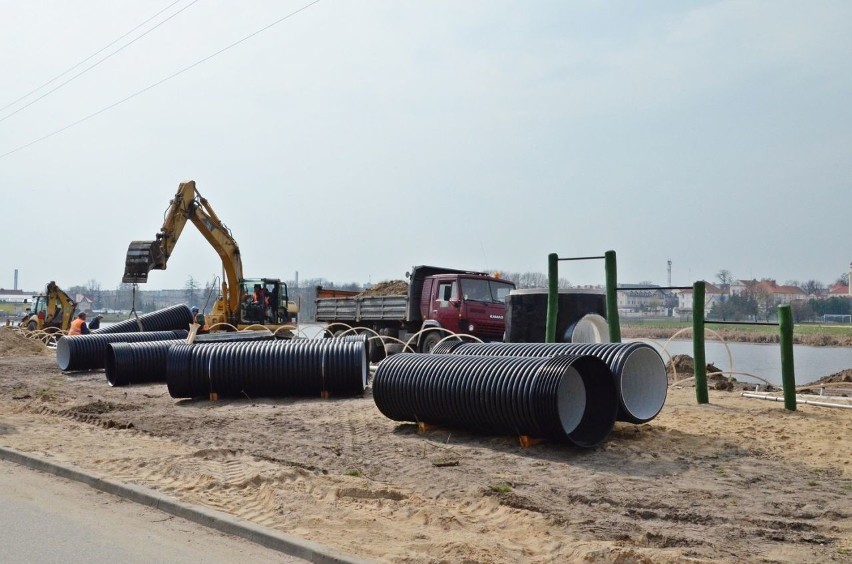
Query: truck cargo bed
[[368, 308]]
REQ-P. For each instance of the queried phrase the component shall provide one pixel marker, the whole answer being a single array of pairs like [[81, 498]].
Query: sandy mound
[[14, 343]]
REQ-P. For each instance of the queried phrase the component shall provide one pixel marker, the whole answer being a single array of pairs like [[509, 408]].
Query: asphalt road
[[46, 519]]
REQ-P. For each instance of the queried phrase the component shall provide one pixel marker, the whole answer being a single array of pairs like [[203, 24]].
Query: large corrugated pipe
[[638, 369], [136, 363], [174, 317], [88, 352], [538, 397], [306, 367]]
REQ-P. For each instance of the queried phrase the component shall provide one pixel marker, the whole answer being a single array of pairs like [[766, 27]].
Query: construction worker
[[198, 317], [96, 322], [78, 326]]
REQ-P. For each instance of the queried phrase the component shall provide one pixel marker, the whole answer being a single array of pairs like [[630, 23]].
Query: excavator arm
[[57, 297], [188, 204]]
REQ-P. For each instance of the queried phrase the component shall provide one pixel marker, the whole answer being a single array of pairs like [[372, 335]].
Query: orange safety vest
[[76, 327]]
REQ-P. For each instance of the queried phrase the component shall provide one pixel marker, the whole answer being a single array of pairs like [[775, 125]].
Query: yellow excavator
[[53, 309], [244, 301]]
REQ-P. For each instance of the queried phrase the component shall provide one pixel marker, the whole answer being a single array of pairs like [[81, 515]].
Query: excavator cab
[[53, 309], [264, 301]]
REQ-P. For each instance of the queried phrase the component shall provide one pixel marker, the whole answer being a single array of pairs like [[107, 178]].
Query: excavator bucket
[[142, 257]]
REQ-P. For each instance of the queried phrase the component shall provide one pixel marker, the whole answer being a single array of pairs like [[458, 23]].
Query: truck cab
[[469, 303]]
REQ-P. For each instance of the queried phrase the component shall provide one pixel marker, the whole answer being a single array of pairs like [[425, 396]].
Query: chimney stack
[[16, 279]]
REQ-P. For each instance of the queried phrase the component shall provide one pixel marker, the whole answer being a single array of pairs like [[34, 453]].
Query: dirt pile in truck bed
[[388, 288]]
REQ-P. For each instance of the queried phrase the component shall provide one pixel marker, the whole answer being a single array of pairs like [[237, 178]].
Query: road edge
[[211, 518]]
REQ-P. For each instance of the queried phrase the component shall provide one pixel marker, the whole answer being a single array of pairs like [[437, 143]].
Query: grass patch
[[502, 487], [353, 472]]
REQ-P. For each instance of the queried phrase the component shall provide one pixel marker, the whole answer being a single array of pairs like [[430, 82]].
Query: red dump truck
[[460, 301]]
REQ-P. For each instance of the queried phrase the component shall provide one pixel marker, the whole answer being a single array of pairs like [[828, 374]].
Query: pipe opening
[[643, 384]]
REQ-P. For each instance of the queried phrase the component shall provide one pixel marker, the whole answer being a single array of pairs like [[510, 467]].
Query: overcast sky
[[353, 140]]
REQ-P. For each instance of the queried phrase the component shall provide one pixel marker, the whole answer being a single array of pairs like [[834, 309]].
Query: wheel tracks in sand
[[326, 508]]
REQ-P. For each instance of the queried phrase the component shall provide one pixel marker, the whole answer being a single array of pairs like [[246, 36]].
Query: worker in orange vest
[[78, 326]]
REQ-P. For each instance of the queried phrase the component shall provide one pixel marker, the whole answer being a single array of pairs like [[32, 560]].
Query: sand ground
[[735, 480]]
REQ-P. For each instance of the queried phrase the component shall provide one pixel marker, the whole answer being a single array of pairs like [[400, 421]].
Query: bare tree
[[812, 287], [191, 288], [725, 279]]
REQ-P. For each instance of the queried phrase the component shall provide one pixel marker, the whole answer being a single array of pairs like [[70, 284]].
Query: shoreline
[[737, 336]]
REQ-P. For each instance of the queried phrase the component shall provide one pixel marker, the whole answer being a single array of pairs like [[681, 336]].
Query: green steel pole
[[788, 376], [698, 342], [552, 297], [612, 297]]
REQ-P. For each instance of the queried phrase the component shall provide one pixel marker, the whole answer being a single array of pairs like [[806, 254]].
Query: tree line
[[757, 302]]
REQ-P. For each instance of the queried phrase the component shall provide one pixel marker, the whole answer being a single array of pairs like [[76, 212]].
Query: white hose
[[805, 401]]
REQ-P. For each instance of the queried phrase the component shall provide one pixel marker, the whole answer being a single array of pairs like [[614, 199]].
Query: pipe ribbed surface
[[374, 346], [174, 317], [88, 352], [268, 368], [136, 363], [539, 397], [638, 369]]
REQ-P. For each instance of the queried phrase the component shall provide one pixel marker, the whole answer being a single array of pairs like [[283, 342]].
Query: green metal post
[[698, 342], [612, 297], [552, 297], [788, 376]]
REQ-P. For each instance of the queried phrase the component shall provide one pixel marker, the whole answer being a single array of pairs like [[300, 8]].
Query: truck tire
[[430, 340], [377, 350]]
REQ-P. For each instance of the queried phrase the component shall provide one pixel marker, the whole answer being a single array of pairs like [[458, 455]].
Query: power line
[[84, 71], [171, 76]]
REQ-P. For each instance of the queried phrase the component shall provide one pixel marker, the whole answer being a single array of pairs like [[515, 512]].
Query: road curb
[[218, 520]]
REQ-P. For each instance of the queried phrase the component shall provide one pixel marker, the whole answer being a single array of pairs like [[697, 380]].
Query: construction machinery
[[53, 309], [244, 302]]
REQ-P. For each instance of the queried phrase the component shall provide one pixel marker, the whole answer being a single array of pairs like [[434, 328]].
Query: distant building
[[16, 296], [839, 290], [767, 287], [712, 295], [649, 300]]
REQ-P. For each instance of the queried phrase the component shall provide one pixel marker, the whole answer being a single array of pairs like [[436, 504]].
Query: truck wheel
[[377, 350], [429, 341]]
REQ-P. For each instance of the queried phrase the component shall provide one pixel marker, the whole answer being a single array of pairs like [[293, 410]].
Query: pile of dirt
[[14, 343], [388, 288], [683, 366], [837, 377]]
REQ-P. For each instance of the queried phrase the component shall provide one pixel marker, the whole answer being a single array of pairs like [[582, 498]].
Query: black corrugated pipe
[[174, 317], [640, 374], [87, 352], [136, 363], [268, 369], [375, 344], [538, 397]]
